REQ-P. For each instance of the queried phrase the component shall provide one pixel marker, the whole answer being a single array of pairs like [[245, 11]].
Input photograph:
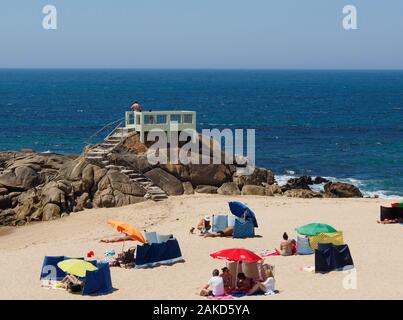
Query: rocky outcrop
[[167, 182], [298, 183], [259, 177], [229, 189], [342, 190], [206, 189]]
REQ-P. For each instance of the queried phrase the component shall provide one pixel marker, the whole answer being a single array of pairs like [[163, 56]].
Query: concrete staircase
[[100, 153]]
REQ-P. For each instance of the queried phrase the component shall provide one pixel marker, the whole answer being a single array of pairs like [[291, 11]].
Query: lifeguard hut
[[145, 121]]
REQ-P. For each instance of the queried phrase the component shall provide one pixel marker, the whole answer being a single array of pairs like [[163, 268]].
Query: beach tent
[[312, 229], [334, 237], [252, 270], [391, 213], [241, 210], [303, 246], [155, 254], [95, 282], [329, 257]]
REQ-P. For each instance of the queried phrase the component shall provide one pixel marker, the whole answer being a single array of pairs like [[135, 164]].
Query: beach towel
[[219, 223], [243, 229], [334, 237], [303, 246], [226, 297], [151, 237]]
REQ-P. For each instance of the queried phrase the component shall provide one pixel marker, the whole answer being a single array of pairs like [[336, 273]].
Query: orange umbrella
[[127, 229]]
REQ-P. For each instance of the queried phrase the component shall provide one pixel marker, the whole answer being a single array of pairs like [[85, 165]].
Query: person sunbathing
[[267, 286], [227, 278], [285, 246], [203, 226], [391, 221], [118, 239], [227, 232], [244, 284], [72, 284]]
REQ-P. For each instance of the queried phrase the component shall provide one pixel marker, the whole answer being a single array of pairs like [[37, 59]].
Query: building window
[[149, 119], [187, 118], [176, 118]]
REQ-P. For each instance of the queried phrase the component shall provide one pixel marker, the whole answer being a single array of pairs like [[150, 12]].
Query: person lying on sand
[[267, 286], [214, 287], [391, 221], [203, 226], [227, 278], [118, 239], [227, 232], [72, 284]]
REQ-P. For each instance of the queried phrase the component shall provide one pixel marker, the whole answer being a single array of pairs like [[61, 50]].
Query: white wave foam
[[362, 185]]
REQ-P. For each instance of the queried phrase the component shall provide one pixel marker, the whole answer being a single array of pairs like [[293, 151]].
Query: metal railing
[[114, 124]]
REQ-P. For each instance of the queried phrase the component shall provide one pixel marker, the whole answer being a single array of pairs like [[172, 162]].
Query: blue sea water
[[342, 124]]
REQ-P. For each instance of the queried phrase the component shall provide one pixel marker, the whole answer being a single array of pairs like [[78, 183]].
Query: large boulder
[[20, 178], [229, 189], [120, 182], [167, 182], [209, 174], [273, 189], [188, 188], [342, 190], [259, 177], [50, 212], [138, 161], [180, 171], [254, 190], [206, 189], [302, 193]]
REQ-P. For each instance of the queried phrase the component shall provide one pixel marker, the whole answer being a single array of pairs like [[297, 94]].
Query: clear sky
[[288, 34]]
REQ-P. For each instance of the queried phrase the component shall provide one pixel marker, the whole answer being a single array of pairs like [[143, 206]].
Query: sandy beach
[[376, 249]]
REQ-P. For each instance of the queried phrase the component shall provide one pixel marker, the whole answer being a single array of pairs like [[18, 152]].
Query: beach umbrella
[[312, 229], [236, 254], [241, 210], [76, 266], [128, 230]]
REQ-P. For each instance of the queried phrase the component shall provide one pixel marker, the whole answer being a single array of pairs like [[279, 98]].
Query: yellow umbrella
[[127, 229], [76, 266]]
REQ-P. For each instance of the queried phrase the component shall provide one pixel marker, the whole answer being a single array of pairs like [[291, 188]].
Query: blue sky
[[286, 34]]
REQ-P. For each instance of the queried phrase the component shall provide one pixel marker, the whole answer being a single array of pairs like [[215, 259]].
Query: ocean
[[346, 125]]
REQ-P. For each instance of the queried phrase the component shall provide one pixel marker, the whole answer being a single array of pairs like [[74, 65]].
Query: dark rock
[[229, 189], [3, 191], [206, 189], [298, 183], [21, 178], [342, 190], [167, 182], [319, 180]]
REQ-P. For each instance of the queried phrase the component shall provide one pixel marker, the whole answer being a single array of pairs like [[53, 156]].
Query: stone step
[[139, 180], [89, 157], [105, 162], [112, 166], [129, 172]]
